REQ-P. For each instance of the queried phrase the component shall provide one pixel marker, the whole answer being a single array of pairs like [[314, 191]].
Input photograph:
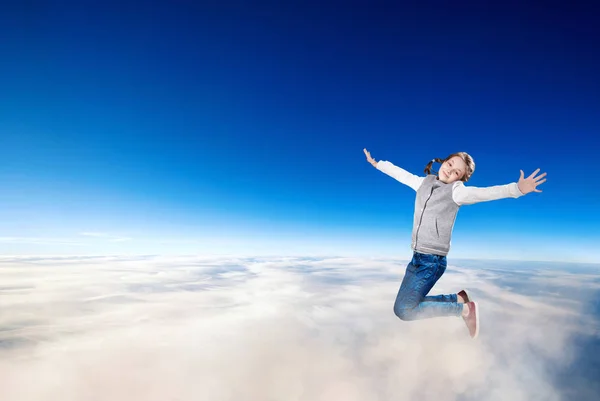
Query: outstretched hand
[[529, 184], [369, 158]]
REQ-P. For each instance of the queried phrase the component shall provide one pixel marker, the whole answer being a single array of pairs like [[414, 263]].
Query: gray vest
[[435, 214]]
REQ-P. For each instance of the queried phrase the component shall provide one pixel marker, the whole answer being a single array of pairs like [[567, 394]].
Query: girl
[[438, 199]]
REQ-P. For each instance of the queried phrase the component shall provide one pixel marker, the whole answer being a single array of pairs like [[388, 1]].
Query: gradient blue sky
[[239, 127]]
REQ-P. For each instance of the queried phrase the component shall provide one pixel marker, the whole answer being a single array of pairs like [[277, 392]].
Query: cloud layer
[[193, 328]]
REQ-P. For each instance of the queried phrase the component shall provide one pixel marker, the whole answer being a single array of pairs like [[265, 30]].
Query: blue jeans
[[412, 302]]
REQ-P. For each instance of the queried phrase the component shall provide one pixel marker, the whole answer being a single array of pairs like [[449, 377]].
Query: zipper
[[421, 219]]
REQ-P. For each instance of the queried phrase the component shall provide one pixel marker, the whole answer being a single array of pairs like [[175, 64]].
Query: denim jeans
[[412, 301]]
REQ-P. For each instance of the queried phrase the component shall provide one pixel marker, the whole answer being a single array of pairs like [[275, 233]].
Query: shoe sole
[[476, 320]]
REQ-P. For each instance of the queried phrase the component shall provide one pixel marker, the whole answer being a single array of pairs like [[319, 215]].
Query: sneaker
[[463, 294], [472, 319]]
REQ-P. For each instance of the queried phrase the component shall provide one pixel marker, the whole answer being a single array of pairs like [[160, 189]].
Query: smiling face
[[453, 169]]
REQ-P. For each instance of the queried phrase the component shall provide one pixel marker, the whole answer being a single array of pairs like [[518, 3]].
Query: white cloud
[[40, 241], [232, 328], [109, 237], [121, 239], [93, 234], [63, 241]]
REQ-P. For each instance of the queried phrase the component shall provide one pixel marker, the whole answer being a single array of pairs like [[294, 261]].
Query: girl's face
[[452, 170]]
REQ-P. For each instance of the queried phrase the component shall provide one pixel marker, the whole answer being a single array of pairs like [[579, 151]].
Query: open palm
[[529, 184]]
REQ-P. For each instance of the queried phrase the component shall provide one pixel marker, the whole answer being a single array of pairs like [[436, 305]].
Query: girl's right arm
[[396, 172]]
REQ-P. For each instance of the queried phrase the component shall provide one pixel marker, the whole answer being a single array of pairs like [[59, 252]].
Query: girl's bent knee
[[403, 313]]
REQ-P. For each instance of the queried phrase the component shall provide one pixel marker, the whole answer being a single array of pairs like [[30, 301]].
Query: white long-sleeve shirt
[[461, 194]]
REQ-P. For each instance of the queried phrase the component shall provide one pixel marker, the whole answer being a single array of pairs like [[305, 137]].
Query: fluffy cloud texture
[[193, 328]]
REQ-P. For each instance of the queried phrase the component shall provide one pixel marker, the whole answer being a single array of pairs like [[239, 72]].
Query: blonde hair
[[470, 163]]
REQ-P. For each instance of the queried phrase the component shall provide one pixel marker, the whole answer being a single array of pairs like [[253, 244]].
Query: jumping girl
[[438, 199]]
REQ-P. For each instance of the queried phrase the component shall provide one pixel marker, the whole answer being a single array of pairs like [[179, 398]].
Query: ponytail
[[430, 164]]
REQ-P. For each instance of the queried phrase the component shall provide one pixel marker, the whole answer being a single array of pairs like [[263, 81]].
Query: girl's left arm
[[463, 195]]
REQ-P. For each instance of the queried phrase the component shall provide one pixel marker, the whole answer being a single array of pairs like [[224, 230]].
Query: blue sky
[[239, 128]]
